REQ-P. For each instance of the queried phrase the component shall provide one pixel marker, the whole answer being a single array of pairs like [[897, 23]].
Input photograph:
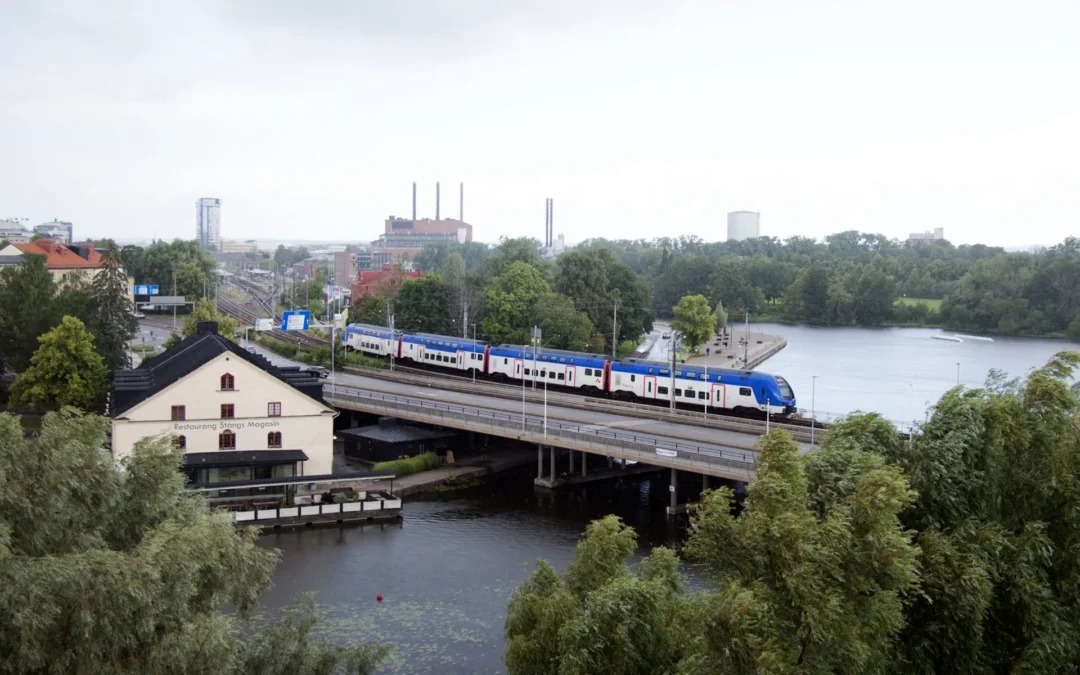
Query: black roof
[[131, 387], [396, 433], [243, 457]]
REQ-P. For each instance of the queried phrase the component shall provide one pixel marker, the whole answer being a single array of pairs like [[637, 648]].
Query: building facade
[[345, 269], [13, 232], [404, 238], [235, 416], [208, 223], [237, 246], [924, 238], [63, 262], [743, 225]]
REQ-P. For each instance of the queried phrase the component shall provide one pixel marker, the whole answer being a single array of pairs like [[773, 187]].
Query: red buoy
[[379, 597]]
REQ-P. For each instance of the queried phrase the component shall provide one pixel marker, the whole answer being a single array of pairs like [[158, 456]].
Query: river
[[447, 572]]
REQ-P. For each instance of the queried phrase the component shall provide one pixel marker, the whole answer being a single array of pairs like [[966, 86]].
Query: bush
[[404, 467]]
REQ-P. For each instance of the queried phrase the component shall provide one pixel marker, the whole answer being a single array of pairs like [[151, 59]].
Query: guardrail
[[646, 448], [582, 402]]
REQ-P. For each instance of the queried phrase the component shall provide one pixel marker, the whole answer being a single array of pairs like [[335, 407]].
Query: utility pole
[[392, 340], [174, 298], [674, 347], [614, 330], [465, 318], [746, 343]]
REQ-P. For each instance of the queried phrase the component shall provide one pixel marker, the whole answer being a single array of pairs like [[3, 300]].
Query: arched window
[[227, 382], [273, 439], [181, 442], [226, 440]]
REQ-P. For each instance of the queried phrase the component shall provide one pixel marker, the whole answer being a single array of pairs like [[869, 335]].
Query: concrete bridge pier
[[571, 461], [704, 482], [675, 508]]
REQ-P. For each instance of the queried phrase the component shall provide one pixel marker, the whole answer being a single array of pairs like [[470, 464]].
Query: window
[[273, 409], [633, 378], [588, 372], [562, 360], [181, 442], [665, 371], [227, 382], [689, 393], [227, 411], [273, 439], [702, 395], [179, 413], [661, 390], [505, 362], [678, 392], [745, 391], [453, 360], [650, 371], [526, 371], [551, 375], [226, 440], [561, 376]]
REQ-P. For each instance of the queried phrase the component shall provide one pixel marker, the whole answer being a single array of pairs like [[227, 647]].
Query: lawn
[[930, 303]]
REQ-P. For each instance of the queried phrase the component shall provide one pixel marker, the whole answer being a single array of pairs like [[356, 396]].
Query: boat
[[977, 337], [947, 338]]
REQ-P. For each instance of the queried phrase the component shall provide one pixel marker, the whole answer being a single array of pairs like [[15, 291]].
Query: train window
[[689, 394], [665, 371], [702, 395], [588, 372], [661, 390], [453, 359], [745, 391], [633, 378], [551, 375], [561, 377], [678, 392], [650, 371], [504, 362], [526, 371], [562, 360]]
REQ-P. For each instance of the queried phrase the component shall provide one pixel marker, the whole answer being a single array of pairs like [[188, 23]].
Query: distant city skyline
[[637, 117]]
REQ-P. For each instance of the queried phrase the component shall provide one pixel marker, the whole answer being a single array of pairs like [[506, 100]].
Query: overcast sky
[[641, 118]]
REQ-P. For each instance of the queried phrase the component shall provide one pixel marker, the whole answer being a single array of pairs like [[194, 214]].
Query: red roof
[[58, 256], [369, 282]]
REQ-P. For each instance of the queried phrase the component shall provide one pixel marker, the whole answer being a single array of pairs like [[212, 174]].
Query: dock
[[738, 350], [369, 507]]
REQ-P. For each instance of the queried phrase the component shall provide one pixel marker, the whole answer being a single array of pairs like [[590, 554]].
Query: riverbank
[[464, 471], [740, 350]]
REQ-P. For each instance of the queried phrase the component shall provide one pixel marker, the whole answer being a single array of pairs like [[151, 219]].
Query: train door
[[650, 386], [397, 345], [461, 360], [570, 376], [719, 396], [517, 368]]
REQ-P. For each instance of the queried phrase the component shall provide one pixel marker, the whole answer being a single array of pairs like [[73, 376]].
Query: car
[[251, 350], [666, 336], [319, 371], [139, 315]]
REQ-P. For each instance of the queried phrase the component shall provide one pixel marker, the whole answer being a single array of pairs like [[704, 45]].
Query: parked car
[[139, 315], [251, 349], [666, 336], [319, 371]]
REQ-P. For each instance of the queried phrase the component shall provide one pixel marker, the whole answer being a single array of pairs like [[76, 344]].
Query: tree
[[65, 370], [191, 280], [694, 320], [114, 323], [510, 300], [563, 326], [801, 590], [157, 263], [600, 617], [111, 569], [597, 282], [874, 296], [26, 296], [425, 305], [720, 318], [204, 311]]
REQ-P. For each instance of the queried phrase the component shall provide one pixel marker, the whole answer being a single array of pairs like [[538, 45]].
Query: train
[[639, 380]]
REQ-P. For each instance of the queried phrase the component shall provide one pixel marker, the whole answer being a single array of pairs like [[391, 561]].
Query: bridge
[[680, 440]]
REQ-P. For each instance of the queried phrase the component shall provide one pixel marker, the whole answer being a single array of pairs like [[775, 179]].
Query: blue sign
[[297, 320], [146, 289]]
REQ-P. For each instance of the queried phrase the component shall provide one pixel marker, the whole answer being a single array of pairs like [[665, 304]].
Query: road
[[659, 346]]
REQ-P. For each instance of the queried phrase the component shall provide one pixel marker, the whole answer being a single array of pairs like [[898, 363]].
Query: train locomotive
[[718, 389]]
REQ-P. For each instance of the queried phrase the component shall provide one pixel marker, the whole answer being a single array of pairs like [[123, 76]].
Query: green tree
[[425, 305], [720, 318], [597, 282], [801, 590], [114, 323], [694, 320], [510, 301], [204, 311], [563, 326], [600, 618], [65, 370], [191, 280], [110, 569], [874, 296], [27, 292]]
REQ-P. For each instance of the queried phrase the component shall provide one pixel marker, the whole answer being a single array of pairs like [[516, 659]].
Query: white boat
[[947, 338], [977, 337]]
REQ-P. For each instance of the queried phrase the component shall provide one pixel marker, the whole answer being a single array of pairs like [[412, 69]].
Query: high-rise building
[[57, 230], [208, 223], [743, 225]]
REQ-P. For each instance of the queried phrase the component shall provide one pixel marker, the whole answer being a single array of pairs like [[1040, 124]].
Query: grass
[[142, 349], [929, 302], [404, 467]]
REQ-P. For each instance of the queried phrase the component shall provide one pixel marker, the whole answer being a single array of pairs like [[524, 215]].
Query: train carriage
[[717, 388], [557, 367], [371, 340], [453, 353]]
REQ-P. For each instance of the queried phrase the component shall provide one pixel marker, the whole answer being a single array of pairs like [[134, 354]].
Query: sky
[[640, 118]]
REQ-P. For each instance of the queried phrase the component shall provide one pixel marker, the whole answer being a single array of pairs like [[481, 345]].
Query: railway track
[[247, 315]]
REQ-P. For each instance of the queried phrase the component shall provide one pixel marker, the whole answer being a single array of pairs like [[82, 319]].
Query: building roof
[[58, 256], [396, 433], [131, 387], [12, 259], [371, 280], [243, 457]]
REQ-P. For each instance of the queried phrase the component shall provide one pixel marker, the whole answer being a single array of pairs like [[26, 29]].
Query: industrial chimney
[[436, 200], [551, 221], [461, 204], [414, 201]]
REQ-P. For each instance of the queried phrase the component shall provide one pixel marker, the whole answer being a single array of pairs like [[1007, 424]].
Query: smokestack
[[414, 201], [436, 200], [461, 204], [551, 222]]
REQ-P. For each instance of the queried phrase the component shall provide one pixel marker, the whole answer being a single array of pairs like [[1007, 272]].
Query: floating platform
[[946, 338]]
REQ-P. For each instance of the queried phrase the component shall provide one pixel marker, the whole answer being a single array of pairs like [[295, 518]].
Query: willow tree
[[107, 569]]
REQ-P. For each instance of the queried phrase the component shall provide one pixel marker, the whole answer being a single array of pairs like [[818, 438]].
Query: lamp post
[[474, 351], [813, 406], [673, 348], [958, 373]]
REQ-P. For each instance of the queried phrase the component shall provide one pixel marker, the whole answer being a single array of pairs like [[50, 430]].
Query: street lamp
[[674, 342], [813, 406], [474, 352], [958, 373]]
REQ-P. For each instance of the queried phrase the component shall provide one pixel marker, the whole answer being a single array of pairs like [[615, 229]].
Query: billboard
[[296, 320], [146, 289], [264, 324]]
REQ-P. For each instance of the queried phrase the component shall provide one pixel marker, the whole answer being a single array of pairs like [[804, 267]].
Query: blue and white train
[[717, 389]]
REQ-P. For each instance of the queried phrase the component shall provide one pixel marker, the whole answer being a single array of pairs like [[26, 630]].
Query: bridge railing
[[647, 447]]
